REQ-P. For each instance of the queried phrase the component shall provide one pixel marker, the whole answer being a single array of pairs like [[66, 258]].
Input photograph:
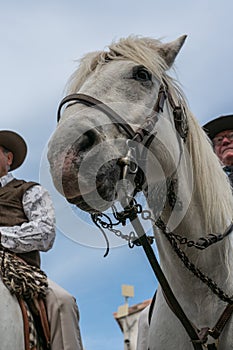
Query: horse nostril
[[87, 140]]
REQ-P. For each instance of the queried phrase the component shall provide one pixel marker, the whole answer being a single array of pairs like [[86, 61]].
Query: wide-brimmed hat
[[215, 126], [16, 144]]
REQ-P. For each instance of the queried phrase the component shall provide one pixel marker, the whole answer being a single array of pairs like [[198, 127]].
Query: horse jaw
[[67, 177]]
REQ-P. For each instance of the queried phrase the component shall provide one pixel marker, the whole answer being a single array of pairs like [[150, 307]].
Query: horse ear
[[169, 51]]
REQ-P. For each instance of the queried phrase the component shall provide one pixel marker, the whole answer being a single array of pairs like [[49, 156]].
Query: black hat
[[14, 143], [218, 125]]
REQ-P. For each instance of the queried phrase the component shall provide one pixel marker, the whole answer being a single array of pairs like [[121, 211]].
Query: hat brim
[[218, 125], [16, 144]]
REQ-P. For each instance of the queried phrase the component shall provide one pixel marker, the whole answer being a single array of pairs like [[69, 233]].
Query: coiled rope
[[23, 280]]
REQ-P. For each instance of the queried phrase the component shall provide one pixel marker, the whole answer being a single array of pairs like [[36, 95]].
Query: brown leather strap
[[167, 291], [148, 126], [38, 310], [40, 305], [218, 328], [138, 136], [25, 323], [93, 102]]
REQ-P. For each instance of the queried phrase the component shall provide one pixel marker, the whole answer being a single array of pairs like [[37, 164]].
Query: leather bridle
[[143, 135], [90, 101]]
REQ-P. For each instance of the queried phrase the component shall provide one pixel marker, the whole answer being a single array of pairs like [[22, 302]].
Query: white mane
[[210, 182]]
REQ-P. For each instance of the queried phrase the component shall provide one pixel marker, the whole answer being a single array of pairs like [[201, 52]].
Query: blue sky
[[40, 42]]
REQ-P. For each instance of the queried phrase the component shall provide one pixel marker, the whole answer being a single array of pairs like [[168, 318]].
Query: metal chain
[[190, 266], [132, 240], [201, 244], [103, 221]]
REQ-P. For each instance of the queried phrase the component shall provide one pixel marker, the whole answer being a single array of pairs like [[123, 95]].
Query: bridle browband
[[144, 135]]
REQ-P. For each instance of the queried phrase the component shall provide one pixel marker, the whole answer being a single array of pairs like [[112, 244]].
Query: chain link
[[104, 221], [134, 209], [171, 237]]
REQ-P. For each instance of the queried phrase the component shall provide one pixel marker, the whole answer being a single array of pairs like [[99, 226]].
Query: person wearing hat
[[27, 226], [220, 131]]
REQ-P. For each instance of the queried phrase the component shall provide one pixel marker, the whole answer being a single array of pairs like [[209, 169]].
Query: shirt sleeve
[[39, 232]]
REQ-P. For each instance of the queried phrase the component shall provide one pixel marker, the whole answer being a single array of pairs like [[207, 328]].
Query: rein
[[143, 135], [198, 337]]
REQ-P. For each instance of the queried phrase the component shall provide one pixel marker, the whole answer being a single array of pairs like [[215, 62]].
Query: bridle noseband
[[90, 101], [146, 127]]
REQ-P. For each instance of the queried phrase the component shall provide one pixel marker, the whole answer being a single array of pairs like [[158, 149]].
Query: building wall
[[129, 325], [130, 331]]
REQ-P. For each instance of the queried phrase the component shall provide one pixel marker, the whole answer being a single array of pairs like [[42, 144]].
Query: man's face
[[6, 159], [223, 146]]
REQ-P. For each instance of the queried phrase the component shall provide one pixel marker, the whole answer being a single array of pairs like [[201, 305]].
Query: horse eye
[[141, 73]]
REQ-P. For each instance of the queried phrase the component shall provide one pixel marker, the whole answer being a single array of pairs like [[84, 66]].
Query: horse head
[[110, 97]]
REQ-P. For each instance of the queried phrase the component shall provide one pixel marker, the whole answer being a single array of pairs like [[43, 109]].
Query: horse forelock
[[143, 51]]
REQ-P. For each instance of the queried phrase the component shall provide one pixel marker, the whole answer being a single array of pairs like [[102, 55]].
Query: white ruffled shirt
[[39, 232]]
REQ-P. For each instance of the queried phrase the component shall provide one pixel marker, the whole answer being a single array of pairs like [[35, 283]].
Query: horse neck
[[202, 187], [191, 221]]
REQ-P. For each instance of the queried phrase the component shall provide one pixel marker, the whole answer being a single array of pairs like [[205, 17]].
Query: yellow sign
[[127, 291]]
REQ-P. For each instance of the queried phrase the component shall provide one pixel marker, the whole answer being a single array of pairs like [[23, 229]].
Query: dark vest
[[12, 213], [229, 171]]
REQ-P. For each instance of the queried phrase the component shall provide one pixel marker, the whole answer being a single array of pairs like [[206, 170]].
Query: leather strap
[[25, 323], [218, 328], [93, 102], [40, 305], [38, 310], [137, 135], [152, 304], [168, 293]]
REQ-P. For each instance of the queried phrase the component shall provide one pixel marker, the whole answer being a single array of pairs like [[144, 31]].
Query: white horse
[[84, 155], [11, 321], [12, 329]]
